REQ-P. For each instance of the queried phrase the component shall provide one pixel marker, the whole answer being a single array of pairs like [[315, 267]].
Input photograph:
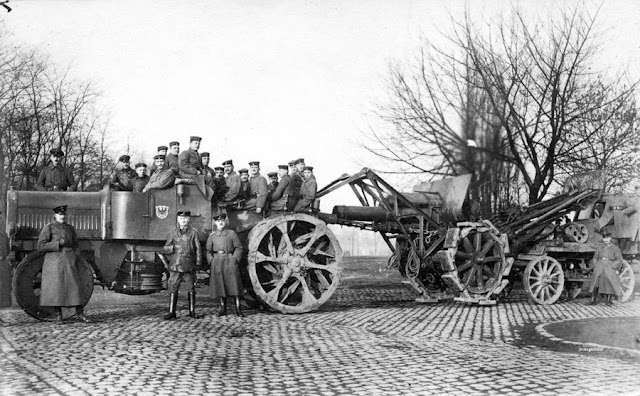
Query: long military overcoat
[[607, 260], [225, 274]]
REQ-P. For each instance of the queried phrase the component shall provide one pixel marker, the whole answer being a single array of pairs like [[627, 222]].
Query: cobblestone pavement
[[365, 340]]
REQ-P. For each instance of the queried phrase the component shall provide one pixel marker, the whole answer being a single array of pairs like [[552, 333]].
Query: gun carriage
[[294, 261]]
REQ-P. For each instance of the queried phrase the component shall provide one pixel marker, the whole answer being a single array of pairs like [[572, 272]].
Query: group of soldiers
[[291, 189]]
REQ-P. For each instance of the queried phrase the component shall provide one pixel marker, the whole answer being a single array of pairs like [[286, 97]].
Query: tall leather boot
[[80, 314], [594, 297], [192, 305], [223, 306], [173, 303], [239, 308], [608, 299]]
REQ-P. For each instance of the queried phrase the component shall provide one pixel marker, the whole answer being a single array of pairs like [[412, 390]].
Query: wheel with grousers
[[544, 280], [480, 260], [295, 262], [27, 282]]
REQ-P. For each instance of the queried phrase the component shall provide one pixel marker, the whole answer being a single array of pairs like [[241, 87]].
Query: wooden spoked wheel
[[295, 262], [27, 282], [479, 260], [627, 280], [544, 280]]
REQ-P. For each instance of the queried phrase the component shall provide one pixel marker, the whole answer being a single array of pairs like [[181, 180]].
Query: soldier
[[273, 183], [297, 178], [292, 167], [224, 252], [55, 177], [283, 191], [631, 212], [244, 194], [220, 184], [60, 279], [162, 150], [162, 178], [232, 180], [5, 271], [121, 180], [186, 257], [606, 261], [189, 160], [307, 191], [257, 187], [141, 179], [206, 170], [171, 159]]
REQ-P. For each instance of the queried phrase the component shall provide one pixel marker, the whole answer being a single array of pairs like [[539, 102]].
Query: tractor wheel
[[480, 260], [627, 279], [28, 279], [295, 262], [544, 280]]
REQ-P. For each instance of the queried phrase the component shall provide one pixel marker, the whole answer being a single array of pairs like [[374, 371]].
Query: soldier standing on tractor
[[224, 252], [282, 193], [257, 188], [141, 179], [55, 177], [171, 159], [232, 180], [122, 179], [162, 178], [60, 279], [162, 150], [186, 257], [5, 271], [307, 191]]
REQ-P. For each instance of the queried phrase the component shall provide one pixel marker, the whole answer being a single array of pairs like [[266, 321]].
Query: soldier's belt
[[618, 207], [221, 252]]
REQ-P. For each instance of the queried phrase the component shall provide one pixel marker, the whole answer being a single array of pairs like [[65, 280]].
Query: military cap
[[159, 156], [183, 213], [243, 170], [195, 139], [300, 161], [165, 148], [174, 144], [141, 165], [272, 174], [309, 168], [205, 154], [57, 152], [60, 209], [227, 162], [219, 168], [124, 158], [292, 162], [251, 163], [285, 167], [606, 232], [220, 216]]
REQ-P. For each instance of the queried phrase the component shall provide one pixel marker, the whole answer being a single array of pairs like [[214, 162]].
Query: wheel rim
[[295, 262], [627, 280], [544, 280], [479, 261], [27, 282]]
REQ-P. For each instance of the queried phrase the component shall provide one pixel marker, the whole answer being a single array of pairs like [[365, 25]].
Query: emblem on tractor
[[162, 211]]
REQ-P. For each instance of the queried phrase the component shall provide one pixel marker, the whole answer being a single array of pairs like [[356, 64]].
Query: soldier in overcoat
[[5, 271], [606, 261], [258, 188], [232, 180], [55, 177], [141, 179], [60, 277], [284, 190], [122, 179], [220, 184], [171, 159], [307, 190], [162, 178], [206, 170], [297, 178], [224, 252], [186, 257]]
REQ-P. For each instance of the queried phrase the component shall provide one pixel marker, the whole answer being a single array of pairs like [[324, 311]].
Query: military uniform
[[55, 178], [632, 213], [161, 179], [172, 162], [219, 185], [607, 260], [282, 194], [190, 163], [258, 192], [162, 150], [307, 194], [122, 180], [185, 250], [138, 183], [5, 272], [224, 252], [232, 180], [244, 193], [60, 278]]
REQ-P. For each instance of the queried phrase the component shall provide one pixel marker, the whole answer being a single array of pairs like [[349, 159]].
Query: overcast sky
[[258, 80]]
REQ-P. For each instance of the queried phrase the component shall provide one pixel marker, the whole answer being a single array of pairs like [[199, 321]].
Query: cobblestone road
[[366, 340]]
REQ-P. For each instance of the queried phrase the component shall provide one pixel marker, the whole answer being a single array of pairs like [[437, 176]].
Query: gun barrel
[[362, 213]]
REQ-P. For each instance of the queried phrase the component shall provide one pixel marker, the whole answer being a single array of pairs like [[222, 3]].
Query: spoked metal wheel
[[27, 282], [295, 262], [479, 260], [627, 279], [544, 280]]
